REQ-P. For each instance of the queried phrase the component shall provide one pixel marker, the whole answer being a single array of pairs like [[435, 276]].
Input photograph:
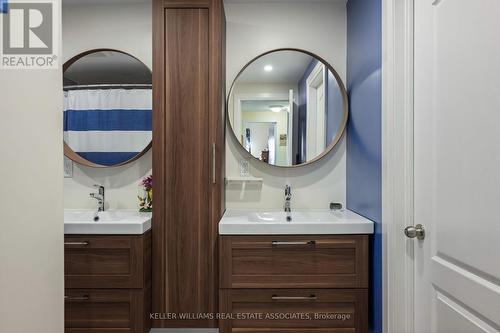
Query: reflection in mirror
[[107, 108], [287, 108]]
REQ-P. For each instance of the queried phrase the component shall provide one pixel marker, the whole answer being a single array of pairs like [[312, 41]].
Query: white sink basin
[[112, 222], [303, 222]]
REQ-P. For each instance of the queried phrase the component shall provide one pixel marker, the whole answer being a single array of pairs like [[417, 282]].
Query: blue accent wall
[[364, 137], [334, 114], [334, 106], [4, 6]]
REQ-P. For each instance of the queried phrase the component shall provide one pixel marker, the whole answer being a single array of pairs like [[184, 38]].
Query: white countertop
[[303, 222], [111, 222]]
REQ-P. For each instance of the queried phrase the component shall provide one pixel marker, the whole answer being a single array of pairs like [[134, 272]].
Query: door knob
[[417, 231]]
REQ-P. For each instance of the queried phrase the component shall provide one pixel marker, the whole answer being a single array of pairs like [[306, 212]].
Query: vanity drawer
[[107, 261], [106, 311], [294, 261], [295, 310]]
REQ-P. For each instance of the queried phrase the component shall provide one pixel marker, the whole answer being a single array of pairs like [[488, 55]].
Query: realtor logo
[[28, 35]]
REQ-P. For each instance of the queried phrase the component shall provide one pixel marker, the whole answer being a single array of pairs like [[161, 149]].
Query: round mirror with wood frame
[[107, 108], [287, 108]]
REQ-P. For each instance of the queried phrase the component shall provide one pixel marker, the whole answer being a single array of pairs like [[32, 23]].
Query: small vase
[[145, 200]]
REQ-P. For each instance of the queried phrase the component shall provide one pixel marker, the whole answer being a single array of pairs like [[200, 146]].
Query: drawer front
[[295, 310], [99, 310], [294, 261], [104, 261], [97, 330]]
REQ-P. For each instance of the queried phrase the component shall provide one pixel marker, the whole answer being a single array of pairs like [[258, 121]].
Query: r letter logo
[[28, 35]]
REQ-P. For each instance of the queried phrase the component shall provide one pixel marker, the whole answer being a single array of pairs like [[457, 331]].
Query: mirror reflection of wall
[[296, 92], [107, 108]]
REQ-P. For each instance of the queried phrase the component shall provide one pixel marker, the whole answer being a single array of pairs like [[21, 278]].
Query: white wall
[[126, 27], [253, 28], [31, 191]]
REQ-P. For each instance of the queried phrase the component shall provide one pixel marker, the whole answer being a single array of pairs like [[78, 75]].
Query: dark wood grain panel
[[186, 3], [293, 330], [97, 309], [98, 330], [312, 262], [107, 261], [147, 259], [217, 132], [159, 277], [107, 310], [321, 310], [141, 309], [289, 261], [188, 120], [186, 34]]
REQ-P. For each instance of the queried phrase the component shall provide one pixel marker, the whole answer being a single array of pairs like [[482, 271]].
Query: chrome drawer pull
[[81, 298], [86, 243], [309, 243], [294, 298]]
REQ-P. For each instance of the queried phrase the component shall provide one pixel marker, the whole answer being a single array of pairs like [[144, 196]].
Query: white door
[[320, 118], [457, 165], [315, 126]]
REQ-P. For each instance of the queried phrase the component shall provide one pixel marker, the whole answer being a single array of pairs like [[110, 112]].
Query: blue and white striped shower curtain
[[108, 126]]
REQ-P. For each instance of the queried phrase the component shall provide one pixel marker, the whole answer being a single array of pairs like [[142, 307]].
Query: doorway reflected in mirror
[[287, 108]]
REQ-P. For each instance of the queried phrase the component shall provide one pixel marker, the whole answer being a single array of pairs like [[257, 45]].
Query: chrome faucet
[[288, 197], [99, 197]]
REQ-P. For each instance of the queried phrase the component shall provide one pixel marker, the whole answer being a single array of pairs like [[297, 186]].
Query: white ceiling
[[288, 67], [107, 67], [261, 106]]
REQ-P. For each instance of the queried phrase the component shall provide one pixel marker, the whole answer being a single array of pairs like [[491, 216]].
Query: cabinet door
[[294, 261], [187, 150], [107, 261], [294, 310]]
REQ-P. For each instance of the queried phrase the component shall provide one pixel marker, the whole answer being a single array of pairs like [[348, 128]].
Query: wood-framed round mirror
[[107, 108], [287, 107]]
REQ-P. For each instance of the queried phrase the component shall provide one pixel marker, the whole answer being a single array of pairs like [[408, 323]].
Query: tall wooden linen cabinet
[[188, 158]]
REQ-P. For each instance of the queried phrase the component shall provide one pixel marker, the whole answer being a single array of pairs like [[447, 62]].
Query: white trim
[[315, 139], [397, 168], [312, 79], [246, 179]]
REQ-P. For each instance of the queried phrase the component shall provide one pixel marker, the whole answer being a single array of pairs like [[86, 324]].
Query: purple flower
[[147, 182]]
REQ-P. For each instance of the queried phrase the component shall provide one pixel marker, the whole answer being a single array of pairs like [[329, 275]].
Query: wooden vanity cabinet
[[107, 283], [188, 157], [324, 278]]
